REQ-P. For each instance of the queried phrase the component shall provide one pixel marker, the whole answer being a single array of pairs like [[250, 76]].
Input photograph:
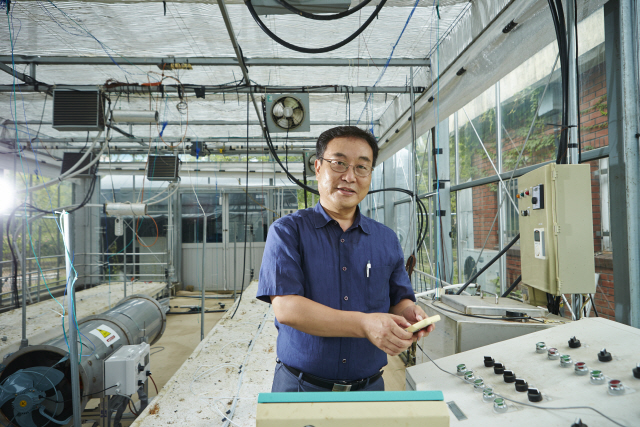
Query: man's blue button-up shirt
[[308, 254]]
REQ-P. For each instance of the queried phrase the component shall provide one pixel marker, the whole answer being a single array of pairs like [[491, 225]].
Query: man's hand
[[387, 332], [413, 314]]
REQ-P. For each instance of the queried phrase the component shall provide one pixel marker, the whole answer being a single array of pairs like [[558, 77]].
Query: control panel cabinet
[[556, 229], [126, 370]]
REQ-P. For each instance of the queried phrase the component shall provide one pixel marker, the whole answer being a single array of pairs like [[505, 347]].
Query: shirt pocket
[[378, 288]]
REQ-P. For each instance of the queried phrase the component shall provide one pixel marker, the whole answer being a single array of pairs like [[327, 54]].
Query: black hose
[[489, 264], [313, 50], [512, 287], [296, 181], [331, 17]]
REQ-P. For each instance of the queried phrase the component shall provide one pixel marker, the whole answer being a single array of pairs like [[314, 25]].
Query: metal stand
[[204, 247], [124, 252], [73, 332], [25, 341]]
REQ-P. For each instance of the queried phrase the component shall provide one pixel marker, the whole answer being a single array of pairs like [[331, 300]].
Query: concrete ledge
[[236, 359]]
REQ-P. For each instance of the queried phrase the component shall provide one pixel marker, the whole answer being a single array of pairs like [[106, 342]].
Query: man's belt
[[330, 385]]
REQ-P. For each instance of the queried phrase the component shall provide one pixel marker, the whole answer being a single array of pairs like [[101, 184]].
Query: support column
[[624, 196], [85, 226], [502, 207], [441, 218]]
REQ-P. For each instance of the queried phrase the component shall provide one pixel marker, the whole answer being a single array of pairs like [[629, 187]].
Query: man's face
[[343, 191]]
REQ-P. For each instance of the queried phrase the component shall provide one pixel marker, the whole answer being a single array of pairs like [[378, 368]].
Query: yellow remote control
[[423, 323]]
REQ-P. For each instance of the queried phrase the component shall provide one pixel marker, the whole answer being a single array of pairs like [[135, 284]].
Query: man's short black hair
[[346, 132]]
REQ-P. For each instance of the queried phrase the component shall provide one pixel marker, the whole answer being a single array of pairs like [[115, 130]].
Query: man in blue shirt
[[336, 279]]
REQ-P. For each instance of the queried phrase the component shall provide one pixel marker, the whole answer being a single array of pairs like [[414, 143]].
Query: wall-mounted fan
[[288, 113]]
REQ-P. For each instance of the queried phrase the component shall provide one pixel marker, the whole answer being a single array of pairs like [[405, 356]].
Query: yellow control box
[[556, 229]]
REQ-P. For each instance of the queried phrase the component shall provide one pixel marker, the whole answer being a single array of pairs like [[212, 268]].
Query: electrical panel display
[[556, 229]]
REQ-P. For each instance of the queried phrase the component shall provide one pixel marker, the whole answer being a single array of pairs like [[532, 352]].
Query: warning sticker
[[106, 334]]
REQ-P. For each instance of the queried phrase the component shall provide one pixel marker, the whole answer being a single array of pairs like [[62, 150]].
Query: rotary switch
[[534, 395], [498, 368], [521, 385], [574, 342], [509, 376], [636, 371], [489, 361], [578, 423], [604, 356]]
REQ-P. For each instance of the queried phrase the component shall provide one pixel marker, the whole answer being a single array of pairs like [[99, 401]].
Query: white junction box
[[126, 370], [556, 229]]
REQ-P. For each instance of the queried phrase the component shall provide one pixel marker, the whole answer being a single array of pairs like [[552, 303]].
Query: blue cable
[[386, 65]]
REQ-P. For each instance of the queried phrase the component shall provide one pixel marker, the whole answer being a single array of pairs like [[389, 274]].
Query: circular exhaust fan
[[287, 113]]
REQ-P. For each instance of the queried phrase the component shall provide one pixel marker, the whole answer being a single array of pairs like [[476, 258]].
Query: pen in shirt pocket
[[368, 267]]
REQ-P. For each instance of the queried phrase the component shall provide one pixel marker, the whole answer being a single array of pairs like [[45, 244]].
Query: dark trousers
[[285, 381]]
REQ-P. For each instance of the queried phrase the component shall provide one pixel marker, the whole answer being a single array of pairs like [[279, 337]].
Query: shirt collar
[[322, 218]]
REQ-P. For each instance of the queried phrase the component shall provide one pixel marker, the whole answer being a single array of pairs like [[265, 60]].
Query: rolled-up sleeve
[[399, 284], [281, 270]]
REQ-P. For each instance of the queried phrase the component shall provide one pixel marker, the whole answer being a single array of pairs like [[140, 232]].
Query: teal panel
[[350, 396]]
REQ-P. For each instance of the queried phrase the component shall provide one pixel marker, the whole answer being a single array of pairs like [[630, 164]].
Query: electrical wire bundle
[[559, 24], [338, 45]]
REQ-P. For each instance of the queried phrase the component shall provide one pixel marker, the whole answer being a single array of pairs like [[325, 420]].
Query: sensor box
[[125, 371]]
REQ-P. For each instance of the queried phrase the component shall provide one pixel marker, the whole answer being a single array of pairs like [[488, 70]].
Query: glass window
[[192, 217], [594, 122], [476, 123], [477, 239], [252, 206]]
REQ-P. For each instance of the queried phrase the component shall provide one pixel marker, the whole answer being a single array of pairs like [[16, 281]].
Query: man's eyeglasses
[[362, 171]]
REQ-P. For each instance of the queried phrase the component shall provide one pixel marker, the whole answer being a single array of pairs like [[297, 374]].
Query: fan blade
[[291, 102], [278, 110], [283, 123], [25, 420], [298, 116], [51, 404], [18, 382], [5, 396], [44, 377]]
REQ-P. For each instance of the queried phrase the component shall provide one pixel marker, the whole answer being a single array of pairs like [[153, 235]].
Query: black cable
[[301, 49], [296, 181], [246, 215], [14, 260], [86, 395], [512, 287], [196, 312], [272, 149], [323, 17], [557, 15], [489, 264], [579, 142]]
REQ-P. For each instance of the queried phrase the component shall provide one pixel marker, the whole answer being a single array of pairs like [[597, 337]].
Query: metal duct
[[135, 319], [127, 116]]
